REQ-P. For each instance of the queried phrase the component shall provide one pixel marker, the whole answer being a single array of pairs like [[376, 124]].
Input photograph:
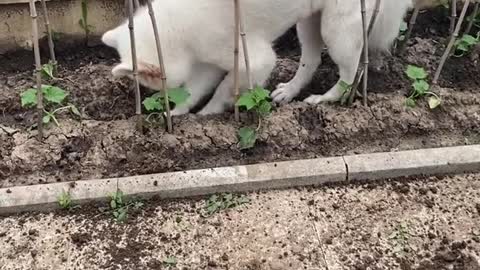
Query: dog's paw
[[284, 93], [315, 99]]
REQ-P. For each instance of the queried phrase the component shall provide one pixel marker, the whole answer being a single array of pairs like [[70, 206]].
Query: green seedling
[[256, 100], [54, 97], [217, 203], [465, 44], [346, 89], [403, 30], [83, 22], [421, 88], [170, 261], [48, 71], [65, 200], [155, 104], [400, 239], [120, 207]]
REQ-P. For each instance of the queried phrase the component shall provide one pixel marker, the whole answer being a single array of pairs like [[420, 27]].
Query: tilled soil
[[105, 143], [414, 224]]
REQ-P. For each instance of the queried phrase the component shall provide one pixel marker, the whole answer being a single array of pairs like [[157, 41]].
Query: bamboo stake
[[236, 78], [451, 43], [138, 108], [51, 45], [38, 69], [245, 48], [361, 70], [411, 24], [163, 89], [474, 15], [453, 17]]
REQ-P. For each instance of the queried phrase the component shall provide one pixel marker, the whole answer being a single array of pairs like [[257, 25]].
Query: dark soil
[[105, 142]]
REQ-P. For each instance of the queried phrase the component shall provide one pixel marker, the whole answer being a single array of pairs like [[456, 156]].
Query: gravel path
[[407, 224]]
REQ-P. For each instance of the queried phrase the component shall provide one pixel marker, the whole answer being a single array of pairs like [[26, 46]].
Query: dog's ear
[[148, 74]]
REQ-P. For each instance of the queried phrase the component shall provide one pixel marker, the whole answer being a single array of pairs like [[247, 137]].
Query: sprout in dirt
[[258, 101], [53, 98], [421, 87], [155, 104]]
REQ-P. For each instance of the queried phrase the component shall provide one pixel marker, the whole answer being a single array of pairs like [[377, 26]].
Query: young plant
[[83, 22], [403, 30], [346, 89], [48, 71], [155, 104], [217, 203], [53, 97], [65, 200], [421, 87], [120, 206], [465, 44], [170, 261], [258, 101], [400, 238]]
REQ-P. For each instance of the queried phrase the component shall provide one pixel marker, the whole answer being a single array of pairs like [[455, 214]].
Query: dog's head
[[148, 70]]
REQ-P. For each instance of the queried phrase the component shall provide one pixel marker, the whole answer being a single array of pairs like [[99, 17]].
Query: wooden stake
[[474, 15], [51, 45], [163, 90], [411, 24], [138, 107], [453, 38], [236, 78], [453, 17], [38, 69], [245, 48]]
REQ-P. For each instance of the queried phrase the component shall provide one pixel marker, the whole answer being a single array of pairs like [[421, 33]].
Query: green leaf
[[416, 73], [403, 26], [469, 40], [434, 102], [153, 104], [75, 110], [260, 94], [46, 119], [421, 87], [54, 94], [113, 204], [264, 108], [247, 100], [178, 95], [170, 261], [122, 215], [29, 98], [47, 70], [247, 137], [344, 86], [410, 102]]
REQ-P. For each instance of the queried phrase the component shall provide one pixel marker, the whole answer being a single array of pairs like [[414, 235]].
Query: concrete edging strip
[[288, 174]]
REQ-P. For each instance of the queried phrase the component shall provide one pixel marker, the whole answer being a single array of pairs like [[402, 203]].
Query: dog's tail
[[388, 22]]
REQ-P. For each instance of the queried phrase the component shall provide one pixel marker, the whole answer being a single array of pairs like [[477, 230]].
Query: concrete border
[[288, 174]]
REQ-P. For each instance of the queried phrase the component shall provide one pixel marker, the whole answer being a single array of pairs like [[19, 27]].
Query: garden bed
[[105, 143]]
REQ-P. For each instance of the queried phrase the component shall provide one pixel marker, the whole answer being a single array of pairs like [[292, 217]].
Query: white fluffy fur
[[197, 41]]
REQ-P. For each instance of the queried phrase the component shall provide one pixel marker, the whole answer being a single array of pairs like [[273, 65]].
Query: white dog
[[198, 43]]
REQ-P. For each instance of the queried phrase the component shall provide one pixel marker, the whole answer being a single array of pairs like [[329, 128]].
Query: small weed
[[465, 44], [256, 100], [403, 30], [421, 88], [217, 203], [65, 200], [170, 261], [346, 88], [400, 237], [48, 71], [53, 100], [155, 104], [83, 22], [120, 207]]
